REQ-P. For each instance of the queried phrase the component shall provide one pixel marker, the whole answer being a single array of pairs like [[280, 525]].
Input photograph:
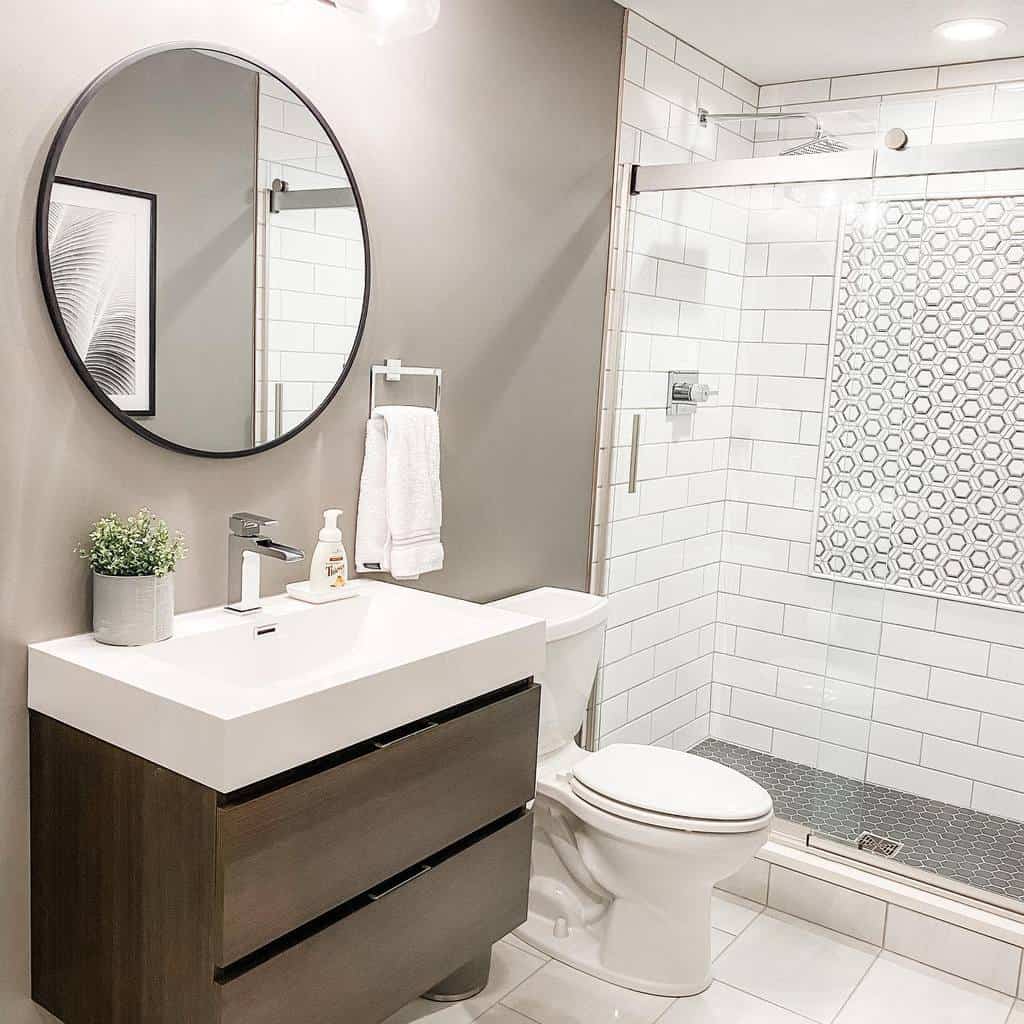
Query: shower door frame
[[952, 158], [854, 165]]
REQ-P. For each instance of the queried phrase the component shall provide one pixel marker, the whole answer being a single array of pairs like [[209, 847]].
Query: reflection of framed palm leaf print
[[102, 243]]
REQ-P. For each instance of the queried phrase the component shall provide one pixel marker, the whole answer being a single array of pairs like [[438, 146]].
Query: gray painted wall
[[182, 125], [484, 150]]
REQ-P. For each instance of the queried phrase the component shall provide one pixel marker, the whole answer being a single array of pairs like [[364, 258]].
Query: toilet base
[[581, 948]]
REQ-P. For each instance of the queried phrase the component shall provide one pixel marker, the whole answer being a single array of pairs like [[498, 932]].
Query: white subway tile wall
[[684, 262], [314, 267], [708, 563]]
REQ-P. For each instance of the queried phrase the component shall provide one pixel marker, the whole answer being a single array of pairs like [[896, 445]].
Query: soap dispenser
[[329, 567]]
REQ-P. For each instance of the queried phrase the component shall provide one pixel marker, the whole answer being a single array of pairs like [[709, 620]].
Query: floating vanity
[[314, 814]]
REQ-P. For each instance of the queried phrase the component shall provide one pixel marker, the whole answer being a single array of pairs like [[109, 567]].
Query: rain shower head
[[821, 143]]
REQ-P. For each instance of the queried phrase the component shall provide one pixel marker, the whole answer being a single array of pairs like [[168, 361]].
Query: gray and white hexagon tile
[[923, 469]]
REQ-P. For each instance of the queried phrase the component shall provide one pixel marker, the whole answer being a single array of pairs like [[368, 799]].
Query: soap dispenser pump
[[329, 566]]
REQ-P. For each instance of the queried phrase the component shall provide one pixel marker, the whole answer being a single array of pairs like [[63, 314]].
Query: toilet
[[628, 842]]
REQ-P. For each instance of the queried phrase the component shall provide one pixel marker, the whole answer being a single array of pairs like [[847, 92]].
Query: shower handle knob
[[689, 392]]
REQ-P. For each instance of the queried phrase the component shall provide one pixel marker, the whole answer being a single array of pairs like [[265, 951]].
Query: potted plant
[[132, 561]]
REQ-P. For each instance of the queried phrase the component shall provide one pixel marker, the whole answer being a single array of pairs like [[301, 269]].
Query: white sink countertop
[[227, 702]]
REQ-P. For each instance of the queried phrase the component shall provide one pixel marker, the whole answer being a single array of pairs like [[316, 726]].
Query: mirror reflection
[[206, 251]]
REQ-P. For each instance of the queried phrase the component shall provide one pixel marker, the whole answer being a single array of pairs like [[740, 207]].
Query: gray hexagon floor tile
[[955, 842]]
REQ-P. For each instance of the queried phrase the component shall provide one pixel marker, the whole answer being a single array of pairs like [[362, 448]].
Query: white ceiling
[[773, 41]]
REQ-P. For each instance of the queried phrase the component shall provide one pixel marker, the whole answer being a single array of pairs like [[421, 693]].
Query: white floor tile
[[509, 967], [557, 994], [916, 994], [732, 913], [503, 1015], [796, 965], [719, 942], [1017, 1014], [724, 1005], [524, 947]]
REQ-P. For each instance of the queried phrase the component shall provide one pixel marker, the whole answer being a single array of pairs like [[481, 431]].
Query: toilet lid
[[672, 783]]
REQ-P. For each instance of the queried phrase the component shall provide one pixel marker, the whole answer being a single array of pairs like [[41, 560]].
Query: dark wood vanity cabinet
[[335, 892]]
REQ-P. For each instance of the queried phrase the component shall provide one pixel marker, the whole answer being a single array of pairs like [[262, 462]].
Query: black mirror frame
[[43, 249]]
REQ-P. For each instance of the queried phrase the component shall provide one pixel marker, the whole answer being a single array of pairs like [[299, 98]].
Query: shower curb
[[952, 934]]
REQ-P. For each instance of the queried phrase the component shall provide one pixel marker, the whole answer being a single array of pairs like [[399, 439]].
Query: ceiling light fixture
[[970, 30], [393, 19]]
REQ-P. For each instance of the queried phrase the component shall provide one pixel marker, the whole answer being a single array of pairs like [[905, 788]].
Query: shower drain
[[869, 842]]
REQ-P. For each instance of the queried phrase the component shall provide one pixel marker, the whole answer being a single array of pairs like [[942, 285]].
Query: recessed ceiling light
[[970, 30]]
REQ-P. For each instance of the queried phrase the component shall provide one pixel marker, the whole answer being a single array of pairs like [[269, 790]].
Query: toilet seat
[[670, 789]]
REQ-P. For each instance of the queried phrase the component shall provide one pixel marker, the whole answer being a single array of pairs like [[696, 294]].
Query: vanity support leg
[[469, 980]]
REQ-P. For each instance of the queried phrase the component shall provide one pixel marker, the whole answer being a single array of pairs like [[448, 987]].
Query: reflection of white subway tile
[[281, 147], [328, 338], [291, 275], [341, 222], [284, 336], [310, 366], [317, 309], [339, 281], [299, 245]]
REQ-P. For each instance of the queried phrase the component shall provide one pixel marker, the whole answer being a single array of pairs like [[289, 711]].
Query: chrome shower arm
[[705, 117]]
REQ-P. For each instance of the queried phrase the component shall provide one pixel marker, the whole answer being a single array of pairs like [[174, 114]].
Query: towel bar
[[393, 370]]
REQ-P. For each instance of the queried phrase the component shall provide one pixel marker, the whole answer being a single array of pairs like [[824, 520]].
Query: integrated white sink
[[230, 701]]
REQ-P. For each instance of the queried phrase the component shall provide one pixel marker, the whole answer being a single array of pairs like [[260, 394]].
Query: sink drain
[[869, 842]]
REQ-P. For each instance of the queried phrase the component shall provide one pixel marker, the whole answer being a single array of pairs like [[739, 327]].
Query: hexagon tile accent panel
[[922, 477]]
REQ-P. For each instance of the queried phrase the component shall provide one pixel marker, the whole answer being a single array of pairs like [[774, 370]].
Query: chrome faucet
[[246, 546]]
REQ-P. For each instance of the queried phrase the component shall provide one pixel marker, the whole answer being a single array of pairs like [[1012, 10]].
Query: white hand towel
[[373, 543], [399, 525]]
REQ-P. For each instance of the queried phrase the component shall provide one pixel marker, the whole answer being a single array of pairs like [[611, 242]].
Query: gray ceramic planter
[[128, 611]]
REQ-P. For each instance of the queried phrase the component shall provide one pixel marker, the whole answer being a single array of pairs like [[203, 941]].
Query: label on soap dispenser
[[335, 570]]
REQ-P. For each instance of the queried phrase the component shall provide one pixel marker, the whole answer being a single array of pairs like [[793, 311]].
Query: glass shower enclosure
[[817, 393]]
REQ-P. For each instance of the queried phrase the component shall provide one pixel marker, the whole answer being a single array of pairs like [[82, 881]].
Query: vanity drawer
[[289, 855], [395, 945]]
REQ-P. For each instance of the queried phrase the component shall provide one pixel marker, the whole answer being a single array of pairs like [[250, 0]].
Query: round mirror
[[203, 251]]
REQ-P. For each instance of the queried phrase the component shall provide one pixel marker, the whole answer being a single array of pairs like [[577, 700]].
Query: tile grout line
[[856, 987], [501, 1001]]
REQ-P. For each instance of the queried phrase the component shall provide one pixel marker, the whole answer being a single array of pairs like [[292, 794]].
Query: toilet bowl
[[630, 841]]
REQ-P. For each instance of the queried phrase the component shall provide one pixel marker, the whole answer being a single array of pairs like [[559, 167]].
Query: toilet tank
[[575, 634]]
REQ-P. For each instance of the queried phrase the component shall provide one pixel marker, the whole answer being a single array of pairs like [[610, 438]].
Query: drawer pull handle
[[424, 868], [384, 744]]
